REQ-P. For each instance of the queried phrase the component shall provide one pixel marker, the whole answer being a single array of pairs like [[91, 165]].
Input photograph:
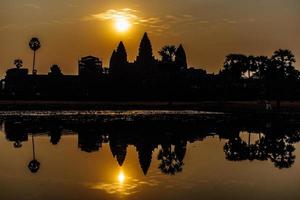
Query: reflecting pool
[[130, 156]]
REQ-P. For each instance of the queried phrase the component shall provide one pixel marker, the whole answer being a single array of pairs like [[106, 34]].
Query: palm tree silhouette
[[169, 162], [18, 63], [34, 45], [167, 54], [33, 165]]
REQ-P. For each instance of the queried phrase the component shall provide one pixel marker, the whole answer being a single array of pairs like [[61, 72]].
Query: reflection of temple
[[55, 135], [118, 150], [15, 132], [145, 151], [89, 141], [275, 142], [180, 150]]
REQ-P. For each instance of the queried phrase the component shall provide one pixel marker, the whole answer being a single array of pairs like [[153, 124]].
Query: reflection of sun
[[122, 24], [121, 177]]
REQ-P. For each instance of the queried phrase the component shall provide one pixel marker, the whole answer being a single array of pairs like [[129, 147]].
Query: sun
[[121, 177], [122, 24]]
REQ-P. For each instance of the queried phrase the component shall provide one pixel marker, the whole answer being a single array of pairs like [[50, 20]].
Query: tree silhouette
[[282, 64], [252, 65], [284, 60], [235, 65], [34, 45], [167, 54], [55, 70], [262, 64], [18, 63]]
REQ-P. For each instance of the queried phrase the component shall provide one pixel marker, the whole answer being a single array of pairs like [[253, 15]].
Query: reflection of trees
[[293, 137], [277, 150], [275, 142], [236, 149], [170, 162]]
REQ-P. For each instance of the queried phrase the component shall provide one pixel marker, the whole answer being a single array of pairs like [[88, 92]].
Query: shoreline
[[220, 106], [237, 109]]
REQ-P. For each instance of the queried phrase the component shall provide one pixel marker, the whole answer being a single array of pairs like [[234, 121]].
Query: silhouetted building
[[113, 61], [55, 71], [90, 66], [55, 135], [118, 60], [145, 56], [180, 58], [16, 132], [166, 79], [16, 82]]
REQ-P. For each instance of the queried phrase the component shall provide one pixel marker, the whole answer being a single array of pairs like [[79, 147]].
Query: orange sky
[[208, 29]]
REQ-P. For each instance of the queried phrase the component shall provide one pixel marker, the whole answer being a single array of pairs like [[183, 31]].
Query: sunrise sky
[[208, 29]]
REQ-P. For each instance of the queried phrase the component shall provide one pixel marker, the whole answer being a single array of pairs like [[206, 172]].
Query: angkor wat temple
[[147, 78], [168, 78]]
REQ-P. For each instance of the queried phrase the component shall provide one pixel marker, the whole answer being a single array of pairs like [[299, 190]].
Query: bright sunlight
[[122, 24], [121, 177]]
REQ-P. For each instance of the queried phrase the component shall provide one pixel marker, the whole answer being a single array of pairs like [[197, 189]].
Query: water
[[162, 158]]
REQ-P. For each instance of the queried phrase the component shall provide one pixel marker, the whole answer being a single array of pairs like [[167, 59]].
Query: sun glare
[[122, 24], [121, 177]]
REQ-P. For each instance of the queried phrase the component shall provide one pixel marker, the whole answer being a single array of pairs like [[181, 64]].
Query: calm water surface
[[148, 159]]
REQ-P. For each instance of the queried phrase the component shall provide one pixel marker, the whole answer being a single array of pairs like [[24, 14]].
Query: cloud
[[134, 16], [229, 21], [113, 14], [32, 6], [72, 5], [155, 23]]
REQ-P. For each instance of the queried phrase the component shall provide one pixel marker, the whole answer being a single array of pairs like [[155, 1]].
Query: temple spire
[[145, 55], [180, 58], [121, 54], [118, 60]]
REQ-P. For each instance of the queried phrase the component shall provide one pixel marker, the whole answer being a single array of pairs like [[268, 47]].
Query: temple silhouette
[[168, 78], [142, 79]]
